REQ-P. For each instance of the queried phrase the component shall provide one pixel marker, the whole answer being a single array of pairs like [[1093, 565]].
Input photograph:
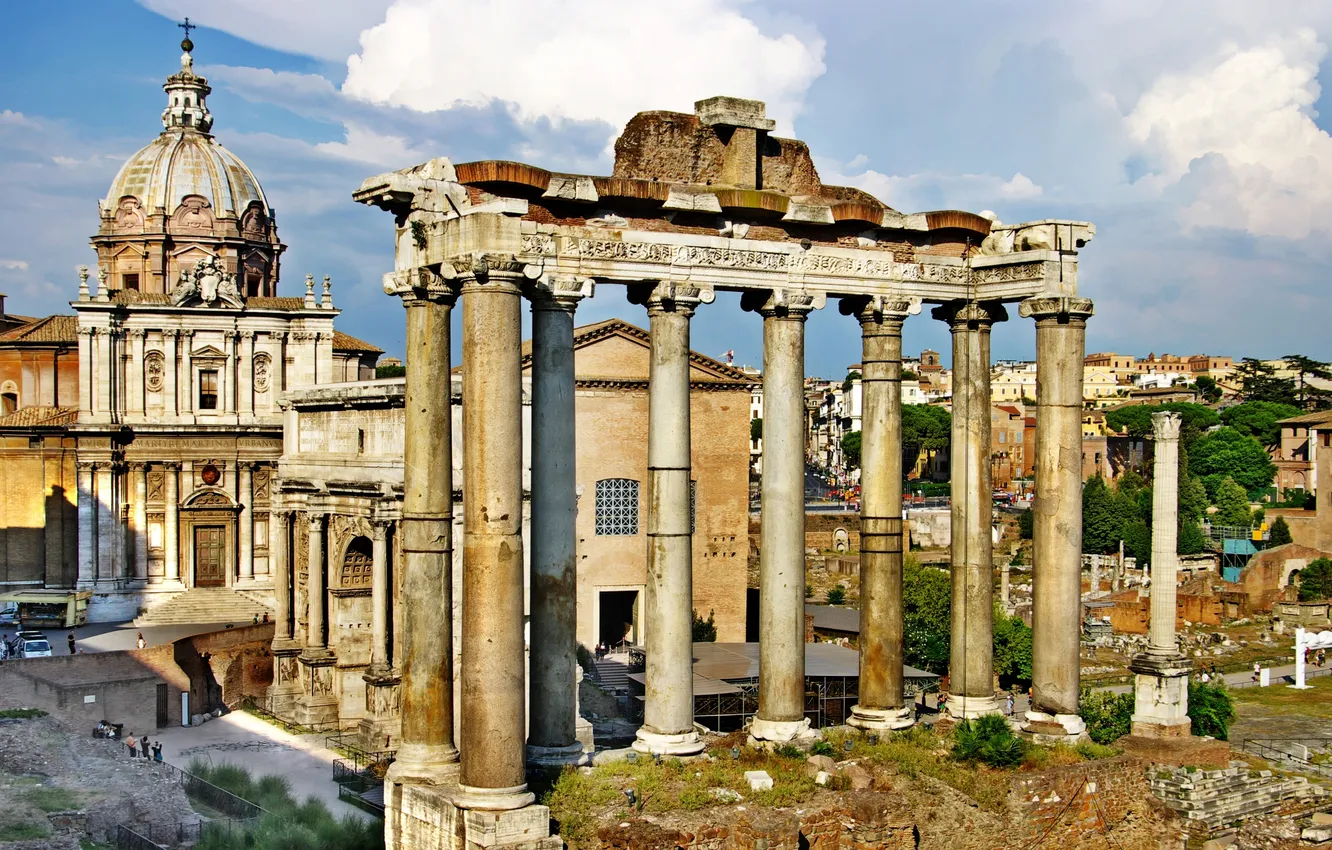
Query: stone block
[[1322, 818], [1316, 834], [859, 777], [815, 765], [527, 825], [758, 780]]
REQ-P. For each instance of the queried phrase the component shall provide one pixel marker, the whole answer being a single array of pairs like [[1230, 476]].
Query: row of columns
[[495, 723]]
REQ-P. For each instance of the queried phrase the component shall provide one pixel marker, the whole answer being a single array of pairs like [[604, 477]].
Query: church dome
[[185, 159]]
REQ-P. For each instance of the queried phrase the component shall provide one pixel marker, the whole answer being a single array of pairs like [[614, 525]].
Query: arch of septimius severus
[[696, 204]]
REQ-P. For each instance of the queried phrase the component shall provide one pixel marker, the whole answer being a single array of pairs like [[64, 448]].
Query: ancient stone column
[[279, 544], [1161, 674], [316, 644], [971, 661], [85, 394], [781, 709], [246, 521], [882, 703], [552, 694], [379, 595], [1061, 329], [494, 702], [426, 753], [87, 508], [668, 715], [171, 521], [140, 521]]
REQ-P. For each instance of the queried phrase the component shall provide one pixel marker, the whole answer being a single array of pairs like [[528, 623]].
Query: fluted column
[[87, 508], [171, 521], [245, 376], [426, 752], [134, 373], [379, 595], [781, 699], [316, 644], [552, 694], [1061, 330], [246, 520], [971, 661], [186, 382], [494, 702], [140, 471], [882, 703], [170, 397], [668, 715], [1161, 684], [279, 546]]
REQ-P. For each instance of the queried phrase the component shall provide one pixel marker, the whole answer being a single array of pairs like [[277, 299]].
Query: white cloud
[[14, 265], [1020, 187], [584, 60], [931, 190], [364, 145], [324, 28]]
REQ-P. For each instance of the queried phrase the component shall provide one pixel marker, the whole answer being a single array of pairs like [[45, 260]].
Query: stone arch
[[209, 497], [841, 540], [9, 398], [1290, 572]]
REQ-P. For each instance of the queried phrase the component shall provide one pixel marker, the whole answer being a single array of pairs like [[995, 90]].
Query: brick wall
[[1080, 802], [820, 530]]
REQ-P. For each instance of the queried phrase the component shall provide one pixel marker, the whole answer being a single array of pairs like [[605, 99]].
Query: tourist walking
[[1257, 671], [1010, 705], [157, 750], [140, 642], [133, 745], [70, 639], [143, 746]]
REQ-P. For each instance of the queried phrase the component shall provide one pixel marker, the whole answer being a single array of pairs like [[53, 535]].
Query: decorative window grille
[[617, 507]]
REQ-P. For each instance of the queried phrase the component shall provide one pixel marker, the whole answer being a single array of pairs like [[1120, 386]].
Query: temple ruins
[[696, 204]]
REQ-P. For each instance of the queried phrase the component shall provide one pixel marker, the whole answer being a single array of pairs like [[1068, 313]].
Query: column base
[[494, 800], [881, 719], [421, 817], [969, 708], [1054, 728], [1158, 728], [763, 732], [552, 756], [423, 764], [656, 743], [1161, 695], [585, 734]]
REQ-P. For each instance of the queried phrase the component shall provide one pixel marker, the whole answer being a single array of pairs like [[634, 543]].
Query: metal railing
[[128, 839], [214, 797], [159, 835]]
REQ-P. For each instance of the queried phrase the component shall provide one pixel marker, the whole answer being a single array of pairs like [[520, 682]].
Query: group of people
[[1211, 674], [139, 747]]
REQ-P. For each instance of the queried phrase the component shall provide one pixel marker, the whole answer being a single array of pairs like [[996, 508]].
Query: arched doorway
[[358, 564], [208, 538]]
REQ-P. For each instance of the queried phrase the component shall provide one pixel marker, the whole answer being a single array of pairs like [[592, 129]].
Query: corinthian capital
[[783, 303], [879, 309], [973, 315], [424, 284], [550, 292], [1165, 426], [1059, 307]]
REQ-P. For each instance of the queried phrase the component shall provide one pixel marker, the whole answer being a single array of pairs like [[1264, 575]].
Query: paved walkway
[[108, 637], [243, 739]]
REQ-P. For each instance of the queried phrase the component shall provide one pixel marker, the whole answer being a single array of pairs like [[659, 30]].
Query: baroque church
[[140, 436]]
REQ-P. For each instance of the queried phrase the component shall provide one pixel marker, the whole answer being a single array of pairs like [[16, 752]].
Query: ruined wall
[[1080, 802], [821, 531]]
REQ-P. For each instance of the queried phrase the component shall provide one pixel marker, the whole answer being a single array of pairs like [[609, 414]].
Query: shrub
[[21, 713], [821, 748], [1108, 716], [705, 631], [1211, 709], [988, 739], [836, 595]]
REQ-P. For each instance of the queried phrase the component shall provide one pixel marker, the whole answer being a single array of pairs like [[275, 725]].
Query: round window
[[211, 475]]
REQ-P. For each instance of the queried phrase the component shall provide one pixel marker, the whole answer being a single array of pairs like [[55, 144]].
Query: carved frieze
[[155, 481]]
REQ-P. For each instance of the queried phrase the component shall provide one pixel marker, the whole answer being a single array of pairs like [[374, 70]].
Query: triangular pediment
[[207, 351], [615, 350]]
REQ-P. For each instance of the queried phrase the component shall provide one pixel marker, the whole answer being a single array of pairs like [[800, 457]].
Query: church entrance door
[[209, 548]]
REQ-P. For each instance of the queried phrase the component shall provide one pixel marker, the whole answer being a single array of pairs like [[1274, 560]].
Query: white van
[[35, 648]]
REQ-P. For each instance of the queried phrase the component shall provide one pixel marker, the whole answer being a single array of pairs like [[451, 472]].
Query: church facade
[[140, 436]]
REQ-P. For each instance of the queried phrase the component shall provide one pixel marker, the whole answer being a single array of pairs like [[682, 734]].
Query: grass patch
[[922, 752], [1278, 699], [20, 713], [53, 799], [23, 831]]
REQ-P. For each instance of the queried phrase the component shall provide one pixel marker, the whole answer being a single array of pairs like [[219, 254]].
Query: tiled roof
[[608, 327], [45, 417], [275, 303], [347, 342], [50, 329], [1316, 419]]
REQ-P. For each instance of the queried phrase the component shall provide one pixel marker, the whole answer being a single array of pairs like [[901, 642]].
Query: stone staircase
[[206, 605], [1214, 798], [613, 672]]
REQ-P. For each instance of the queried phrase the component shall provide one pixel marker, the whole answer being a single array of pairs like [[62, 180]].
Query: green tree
[[1190, 540], [1109, 716], [1026, 524], [1258, 382], [1101, 521], [1192, 497], [926, 604], [1316, 580], [851, 378], [1259, 419], [1012, 649], [755, 429], [390, 371], [1211, 709], [1226, 452], [1138, 541], [1279, 535], [1307, 395], [1208, 389], [851, 449], [925, 428], [908, 375], [1136, 420], [836, 595], [705, 631], [1232, 505]]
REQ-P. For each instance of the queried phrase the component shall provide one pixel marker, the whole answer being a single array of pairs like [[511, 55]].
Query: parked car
[[35, 649], [9, 614]]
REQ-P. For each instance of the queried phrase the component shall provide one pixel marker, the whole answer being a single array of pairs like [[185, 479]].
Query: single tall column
[[494, 701], [882, 703], [426, 754], [171, 521], [316, 644], [246, 520], [170, 397], [84, 395], [279, 544], [245, 378], [781, 708], [186, 382], [140, 521], [379, 595], [107, 518], [552, 694], [668, 715], [1161, 674], [87, 507], [134, 372], [1061, 330], [971, 661]]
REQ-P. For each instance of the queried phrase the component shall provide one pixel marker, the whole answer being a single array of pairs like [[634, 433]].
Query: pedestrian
[[4, 647], [143, 746], [1205, 676], [1010, 705], [1257, 670], [133, 744], [140, 642], [71, 643], [265, 618], [256, 619], [157, 750]]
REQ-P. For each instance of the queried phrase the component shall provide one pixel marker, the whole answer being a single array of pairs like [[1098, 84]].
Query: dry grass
[[1281, 699]]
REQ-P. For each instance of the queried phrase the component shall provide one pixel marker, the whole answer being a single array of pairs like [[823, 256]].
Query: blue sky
[[1188, 131]]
